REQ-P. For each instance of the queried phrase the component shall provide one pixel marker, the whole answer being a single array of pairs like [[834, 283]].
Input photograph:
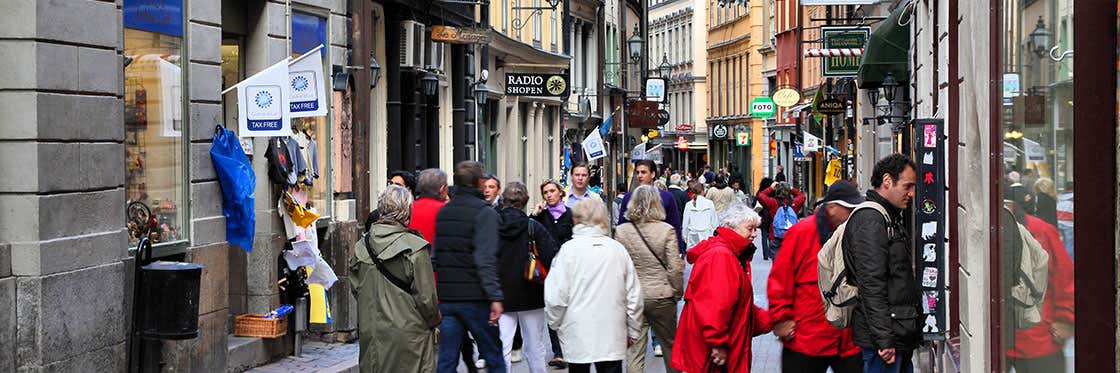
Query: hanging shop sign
[[742, 138], [460, 35], [840, 37], [306, 83], [593, 146], [929, 224], [786, 97], [1011, 85], [641, 114], [682, 143], [1033, 150], [533, 84], [684, 127], [812, 143], [719, 132], [655, 89], [763, 107], [263, 102], [831, 106], [662, 117]]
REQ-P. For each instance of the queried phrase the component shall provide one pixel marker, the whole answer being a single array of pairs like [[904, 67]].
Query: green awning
[[888, 50]]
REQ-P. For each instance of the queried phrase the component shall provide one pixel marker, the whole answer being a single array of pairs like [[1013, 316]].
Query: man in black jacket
[[465, 250], [885, 320]]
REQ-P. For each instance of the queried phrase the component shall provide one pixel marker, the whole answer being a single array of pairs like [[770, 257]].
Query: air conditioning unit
[[435, 56], [412, 44]]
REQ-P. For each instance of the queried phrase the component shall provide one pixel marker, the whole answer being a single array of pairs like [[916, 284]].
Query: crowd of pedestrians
[[473, 266]]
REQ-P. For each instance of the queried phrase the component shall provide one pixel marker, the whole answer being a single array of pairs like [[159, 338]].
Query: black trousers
[[796, 362], [1053, 363], [600, 367]]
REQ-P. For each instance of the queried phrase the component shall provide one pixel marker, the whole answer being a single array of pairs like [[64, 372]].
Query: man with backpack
[[811, 344], [782, 202], [885, 318]]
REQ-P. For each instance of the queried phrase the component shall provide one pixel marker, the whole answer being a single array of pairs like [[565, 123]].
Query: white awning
[[833, 52]]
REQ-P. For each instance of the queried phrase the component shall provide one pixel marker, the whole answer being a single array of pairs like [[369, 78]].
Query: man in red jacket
[[777, 195], [811, 344], [431, 192], [719, 317]]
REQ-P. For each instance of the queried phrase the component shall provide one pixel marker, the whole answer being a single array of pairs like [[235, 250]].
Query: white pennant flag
[[308, 87], [262, 103], [593, 146]]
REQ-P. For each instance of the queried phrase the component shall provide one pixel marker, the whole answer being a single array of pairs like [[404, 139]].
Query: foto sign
[[655, 89], [843, 37], [763, 107], [533, 84]]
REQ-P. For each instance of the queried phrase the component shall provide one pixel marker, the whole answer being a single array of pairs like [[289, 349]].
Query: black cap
[[843, 193]]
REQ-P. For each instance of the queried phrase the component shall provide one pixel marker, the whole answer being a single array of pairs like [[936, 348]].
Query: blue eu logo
[[299, 83], [263, 99]]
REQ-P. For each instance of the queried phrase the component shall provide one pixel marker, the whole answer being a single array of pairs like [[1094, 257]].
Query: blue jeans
[[1067, 238], [458, 319], [872, 363]]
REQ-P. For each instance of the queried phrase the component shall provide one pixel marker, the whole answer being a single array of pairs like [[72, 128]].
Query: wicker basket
[[255, 325]]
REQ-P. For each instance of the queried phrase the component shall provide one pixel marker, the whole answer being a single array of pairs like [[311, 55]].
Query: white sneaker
[[515, 356], [480, 364], [657, 351]]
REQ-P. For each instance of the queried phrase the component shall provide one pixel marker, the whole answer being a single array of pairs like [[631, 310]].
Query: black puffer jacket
[[887, 314], [521, 295], [560, 228]]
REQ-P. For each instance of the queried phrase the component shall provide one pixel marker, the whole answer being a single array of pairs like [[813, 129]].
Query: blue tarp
[[235, 175]]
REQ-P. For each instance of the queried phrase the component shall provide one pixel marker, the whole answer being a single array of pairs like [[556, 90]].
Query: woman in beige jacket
[[652, 245]]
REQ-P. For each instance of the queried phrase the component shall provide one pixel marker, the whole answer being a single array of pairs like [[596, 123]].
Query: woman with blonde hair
[[652, 245], [722, 196], [592, 294], [1046, 201]]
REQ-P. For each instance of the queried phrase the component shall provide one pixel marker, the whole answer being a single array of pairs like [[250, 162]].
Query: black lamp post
[[890, 85], [374, 72], [665, 68], [480, 94]]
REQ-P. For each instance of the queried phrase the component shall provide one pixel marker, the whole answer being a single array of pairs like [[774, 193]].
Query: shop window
[[155, 173], [313, 133], [1037, 178]]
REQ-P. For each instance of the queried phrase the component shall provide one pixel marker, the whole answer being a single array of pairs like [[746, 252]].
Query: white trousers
[[534, 337]]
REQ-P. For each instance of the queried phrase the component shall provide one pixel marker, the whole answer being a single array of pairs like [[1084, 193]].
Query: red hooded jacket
[[719, 292], [1057, 305], [771, 204], [794, 294]]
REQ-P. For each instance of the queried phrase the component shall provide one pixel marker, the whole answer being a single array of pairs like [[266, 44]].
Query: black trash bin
[[168, 302]]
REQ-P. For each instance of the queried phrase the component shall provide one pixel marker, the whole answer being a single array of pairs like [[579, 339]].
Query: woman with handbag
[[525, 256], [592, 294], [652, 245], [392, 278]]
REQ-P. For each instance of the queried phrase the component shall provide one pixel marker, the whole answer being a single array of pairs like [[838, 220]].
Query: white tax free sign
[[655, 89]]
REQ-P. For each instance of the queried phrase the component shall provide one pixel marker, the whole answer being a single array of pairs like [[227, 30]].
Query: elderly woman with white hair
[[719, 317], [392, 278], [592, 294], [652, 244]]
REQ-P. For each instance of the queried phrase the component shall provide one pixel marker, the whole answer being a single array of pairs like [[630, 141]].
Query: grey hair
[[592, 213], [515, 195], [645, 205], [737, 214], [676, 179], [395, 205], [430, 182]]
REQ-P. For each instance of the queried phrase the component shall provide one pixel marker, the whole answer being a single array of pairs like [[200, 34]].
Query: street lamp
[[374, 71], [665, 68], [1040, 39], [889, 87], [873, 96], [635, 43], [480, 94], [429, 84]]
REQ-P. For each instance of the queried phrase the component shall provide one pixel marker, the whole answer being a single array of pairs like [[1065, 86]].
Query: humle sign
[[527, 84]]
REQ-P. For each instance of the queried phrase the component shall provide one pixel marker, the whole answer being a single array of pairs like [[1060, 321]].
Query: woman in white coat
[[700, 218], [592, 295]]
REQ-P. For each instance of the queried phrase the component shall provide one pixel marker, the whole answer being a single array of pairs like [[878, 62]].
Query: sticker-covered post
[[930, 224]]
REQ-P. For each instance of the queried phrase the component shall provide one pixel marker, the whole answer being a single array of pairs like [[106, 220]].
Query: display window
[[156, 180], [313, 133]]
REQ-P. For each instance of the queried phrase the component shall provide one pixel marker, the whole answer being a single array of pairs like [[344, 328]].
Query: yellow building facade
[[734, 75]]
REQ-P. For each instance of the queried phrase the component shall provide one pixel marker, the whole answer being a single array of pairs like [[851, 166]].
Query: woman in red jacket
[[719, 317]]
